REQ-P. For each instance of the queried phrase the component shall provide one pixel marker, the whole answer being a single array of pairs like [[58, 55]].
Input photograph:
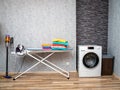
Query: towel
[[59, 40], [62, 43], [58, 45], [59, 48], [46, 44]]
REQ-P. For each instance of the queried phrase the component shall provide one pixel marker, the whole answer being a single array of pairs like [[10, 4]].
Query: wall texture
[[33, 22], [92, 22], [114, 33]]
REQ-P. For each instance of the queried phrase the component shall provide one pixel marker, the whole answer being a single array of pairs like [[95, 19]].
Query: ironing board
[[33, 53]]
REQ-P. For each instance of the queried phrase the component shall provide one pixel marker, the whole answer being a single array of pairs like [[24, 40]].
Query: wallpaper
[[33, 22], [114, 33], [92, 23]]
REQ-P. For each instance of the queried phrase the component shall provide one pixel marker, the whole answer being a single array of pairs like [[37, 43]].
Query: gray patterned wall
[[92, 22], [114, 33], [33, 22]]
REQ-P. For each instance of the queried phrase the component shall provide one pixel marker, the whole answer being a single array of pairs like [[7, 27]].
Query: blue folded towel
[[63, 43], [59, 48]]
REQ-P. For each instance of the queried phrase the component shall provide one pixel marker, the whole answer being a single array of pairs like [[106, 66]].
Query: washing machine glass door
[[90, 60]]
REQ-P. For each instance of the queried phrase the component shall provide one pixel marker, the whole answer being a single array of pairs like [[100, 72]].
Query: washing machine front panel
[[89, 64]]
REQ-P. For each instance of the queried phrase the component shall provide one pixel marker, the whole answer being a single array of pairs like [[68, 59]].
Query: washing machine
[[89, 60]]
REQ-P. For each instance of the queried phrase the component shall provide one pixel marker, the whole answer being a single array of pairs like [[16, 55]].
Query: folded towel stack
[[46, 46], [59, 44]]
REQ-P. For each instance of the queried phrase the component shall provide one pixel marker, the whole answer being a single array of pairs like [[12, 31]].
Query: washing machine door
[[90, 60]]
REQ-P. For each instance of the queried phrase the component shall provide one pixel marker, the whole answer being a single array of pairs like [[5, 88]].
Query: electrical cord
[[20, 66], [20, 51]]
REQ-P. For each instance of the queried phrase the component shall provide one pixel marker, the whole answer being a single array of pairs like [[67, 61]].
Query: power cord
[[20, 66]]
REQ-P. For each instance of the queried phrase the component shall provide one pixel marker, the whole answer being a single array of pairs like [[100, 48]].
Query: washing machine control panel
[[90, 47]]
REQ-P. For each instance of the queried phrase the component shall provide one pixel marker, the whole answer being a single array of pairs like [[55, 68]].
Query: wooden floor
[[55, 81]]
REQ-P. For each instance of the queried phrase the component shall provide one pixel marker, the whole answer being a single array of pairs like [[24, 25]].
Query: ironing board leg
[[39, 61], [26, 71], [45, 62], [54, 67]]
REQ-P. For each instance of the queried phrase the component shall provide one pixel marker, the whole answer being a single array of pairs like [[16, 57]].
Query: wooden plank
[[54, 81]]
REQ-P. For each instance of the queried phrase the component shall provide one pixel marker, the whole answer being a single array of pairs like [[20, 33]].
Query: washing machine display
[[90, 60]]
